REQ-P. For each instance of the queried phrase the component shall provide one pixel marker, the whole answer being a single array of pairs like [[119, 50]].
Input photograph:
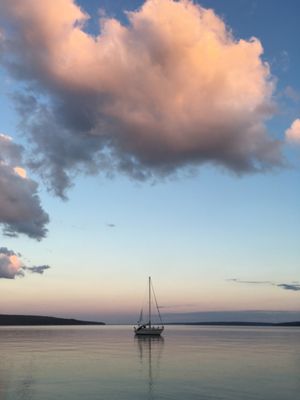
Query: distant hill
[[28, 320], [294, 323], [236, 323]]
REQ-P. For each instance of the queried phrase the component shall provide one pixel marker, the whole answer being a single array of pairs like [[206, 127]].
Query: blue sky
[[191, 232]]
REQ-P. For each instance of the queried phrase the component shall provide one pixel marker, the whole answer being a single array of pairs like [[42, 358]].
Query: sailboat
[[148, 328]]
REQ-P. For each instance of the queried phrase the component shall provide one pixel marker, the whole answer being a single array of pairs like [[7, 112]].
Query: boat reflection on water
[[150, 354]]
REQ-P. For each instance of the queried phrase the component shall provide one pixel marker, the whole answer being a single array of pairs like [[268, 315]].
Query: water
[[91, 363]]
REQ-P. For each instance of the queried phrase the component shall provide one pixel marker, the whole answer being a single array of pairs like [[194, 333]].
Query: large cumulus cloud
[[20, 208], [171, 89]]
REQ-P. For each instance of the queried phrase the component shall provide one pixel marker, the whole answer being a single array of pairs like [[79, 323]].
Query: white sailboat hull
[[149, 331]]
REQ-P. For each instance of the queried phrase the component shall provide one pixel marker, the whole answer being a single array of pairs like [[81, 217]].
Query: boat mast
[[149, 301]]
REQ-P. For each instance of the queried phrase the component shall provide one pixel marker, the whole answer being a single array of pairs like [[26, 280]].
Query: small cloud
[[287, 286], [293, 133], [39, 269], [110, 225], [12, 265]]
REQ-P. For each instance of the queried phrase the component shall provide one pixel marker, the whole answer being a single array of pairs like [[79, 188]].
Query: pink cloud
[[10, 264], [172, 89], [293, 133]]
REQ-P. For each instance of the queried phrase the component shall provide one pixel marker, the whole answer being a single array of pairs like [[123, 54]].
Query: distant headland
[[34, 320], [236, 323]]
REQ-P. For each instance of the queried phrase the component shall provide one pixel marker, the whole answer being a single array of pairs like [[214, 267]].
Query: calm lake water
[[187, 363]]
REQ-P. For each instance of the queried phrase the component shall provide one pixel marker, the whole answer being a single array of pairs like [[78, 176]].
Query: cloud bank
[[12, 266], [171, 90], [20, 208]]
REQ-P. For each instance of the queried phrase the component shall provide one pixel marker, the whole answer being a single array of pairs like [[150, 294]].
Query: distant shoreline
[[34, 320], [237, 323], [37, 320]]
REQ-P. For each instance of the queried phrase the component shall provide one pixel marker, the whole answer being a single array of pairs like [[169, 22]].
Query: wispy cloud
[[250, 282], [286, 286], [292, 94], [37, 269], [178, 306], [171, 90]]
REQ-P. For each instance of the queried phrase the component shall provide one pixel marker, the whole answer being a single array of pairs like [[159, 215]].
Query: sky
[[153, 138]]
